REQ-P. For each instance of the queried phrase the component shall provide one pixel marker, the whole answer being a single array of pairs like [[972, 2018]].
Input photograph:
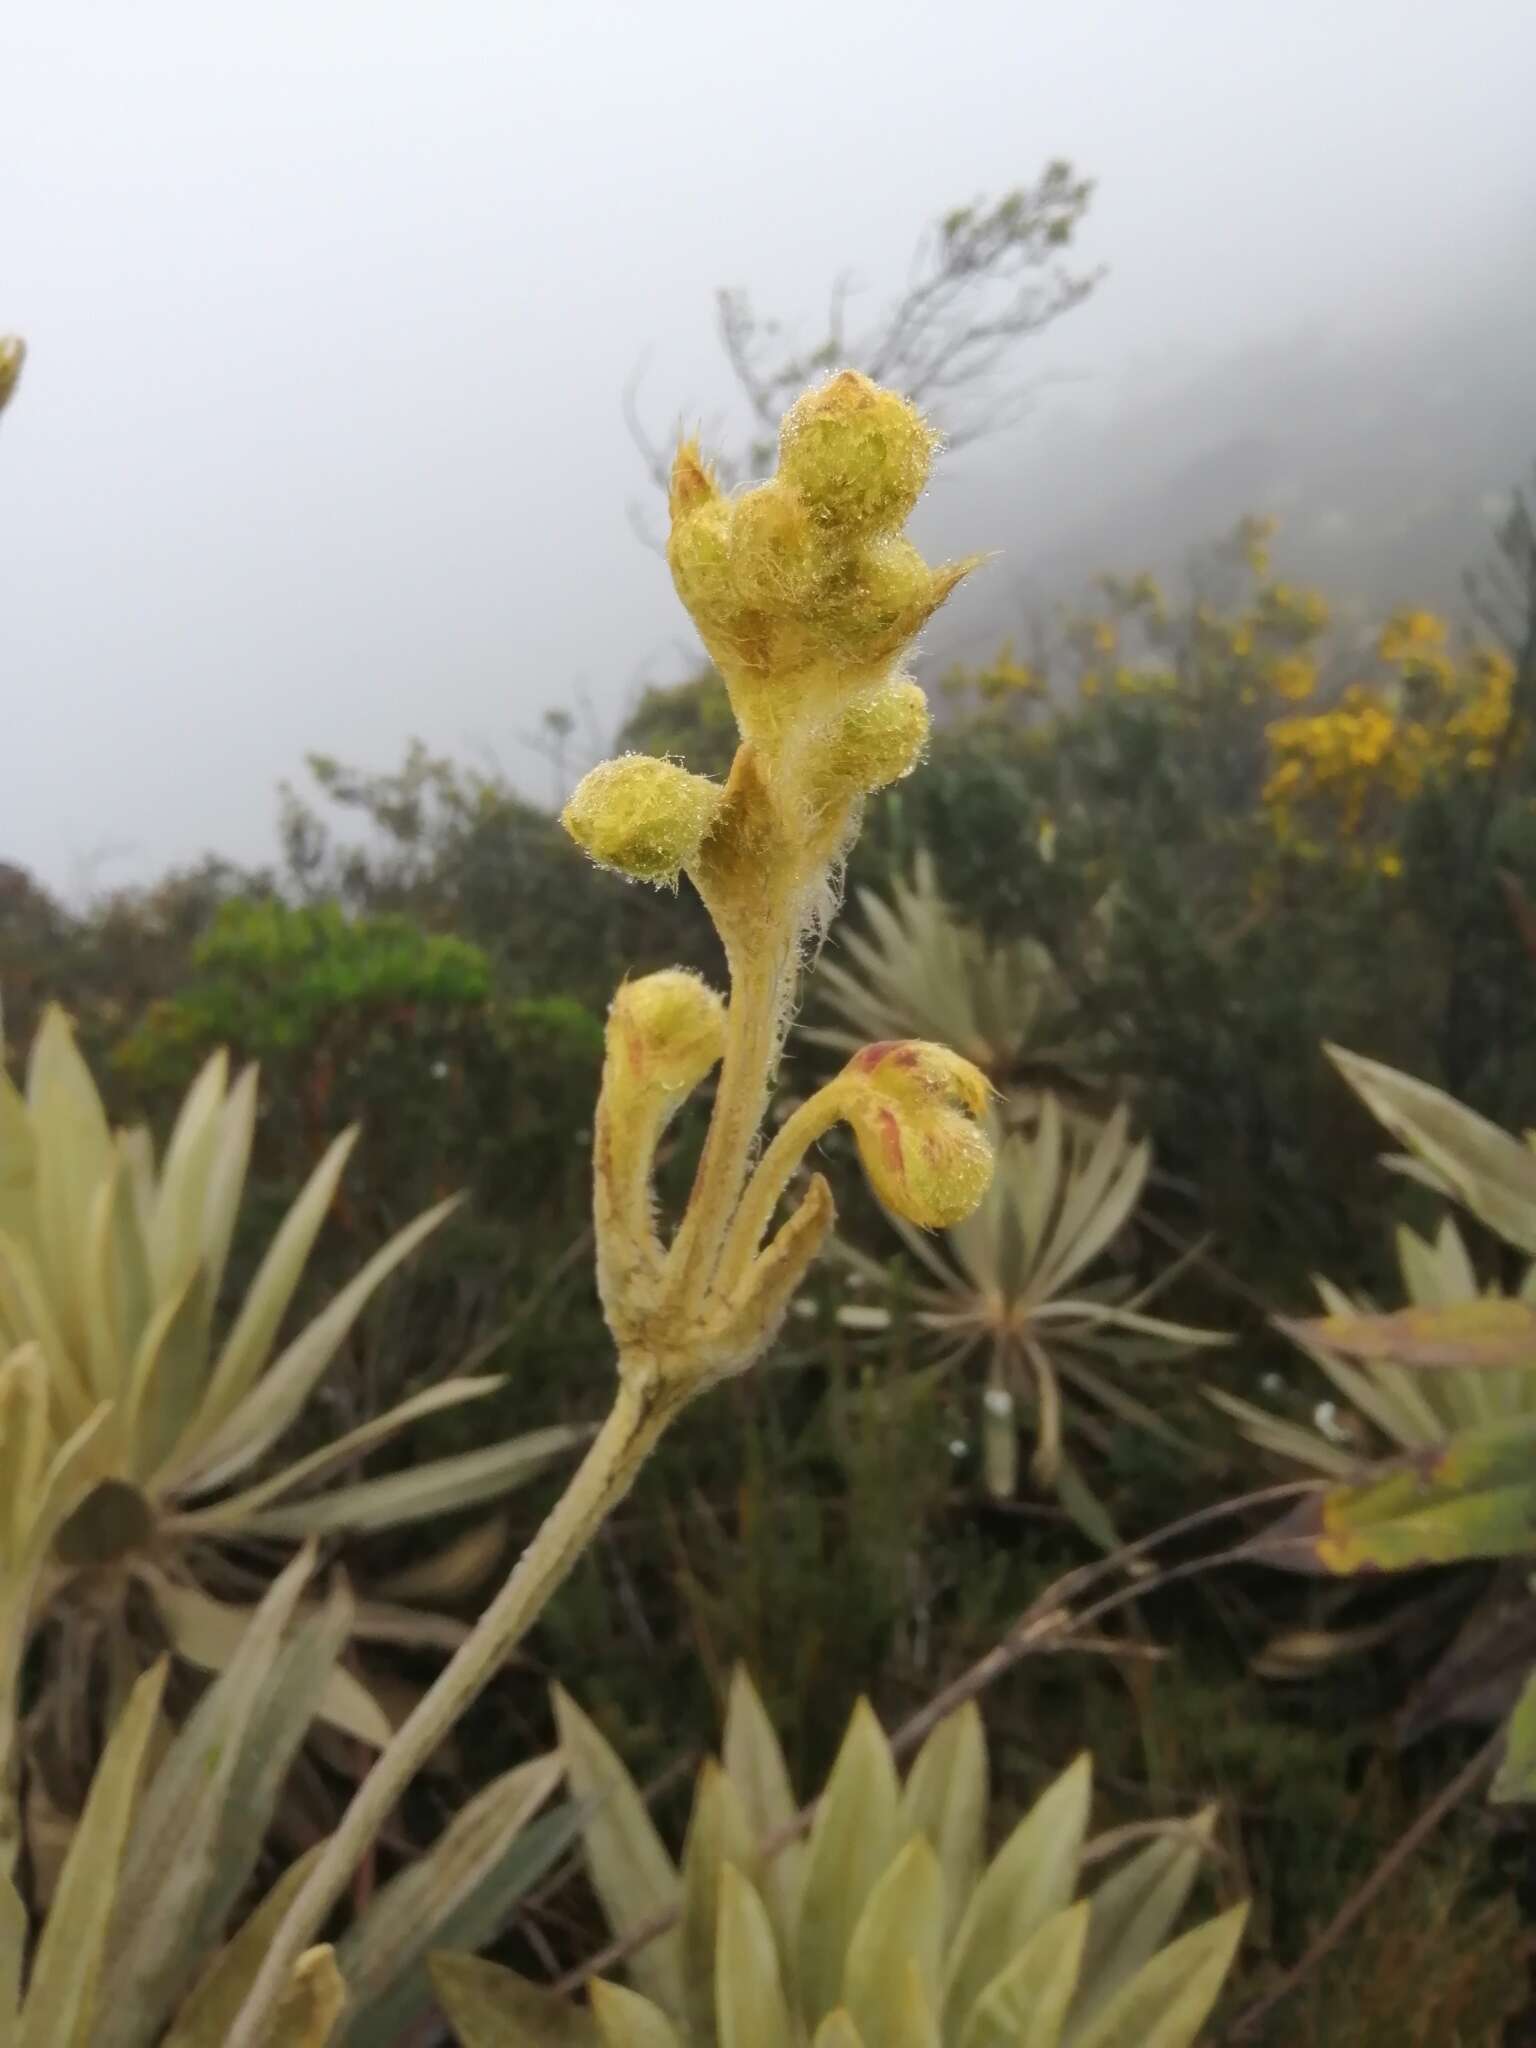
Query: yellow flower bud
[[699, 550], [805, 579], [774, 552], [13, 353], [913, 1108], [645, 817], [859, 456], [665, 1031], [876, 741], [868, 620]]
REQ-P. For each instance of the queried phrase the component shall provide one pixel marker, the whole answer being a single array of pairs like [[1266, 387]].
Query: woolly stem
[[812, 1120], [762, 984], [644, 1406]]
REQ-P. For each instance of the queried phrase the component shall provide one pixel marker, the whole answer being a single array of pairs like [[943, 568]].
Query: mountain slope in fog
[[1384, 455]]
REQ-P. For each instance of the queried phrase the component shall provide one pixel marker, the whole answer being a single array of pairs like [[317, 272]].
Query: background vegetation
[[1187, 836], [1235, 838]]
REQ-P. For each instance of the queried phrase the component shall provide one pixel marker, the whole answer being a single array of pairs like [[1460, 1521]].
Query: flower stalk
[[805, 595]]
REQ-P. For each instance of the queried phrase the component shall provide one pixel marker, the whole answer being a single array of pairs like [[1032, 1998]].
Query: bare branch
[[983, 280]]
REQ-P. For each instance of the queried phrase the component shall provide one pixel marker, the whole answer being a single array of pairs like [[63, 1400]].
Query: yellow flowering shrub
[[1004, 680], [1254, 641], [1342, 775], [1254, 664]]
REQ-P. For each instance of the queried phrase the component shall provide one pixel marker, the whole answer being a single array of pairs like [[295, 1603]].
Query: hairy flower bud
[[859, 456], [913, 1108], [13, 353], [803, 585], [665, 1031], [876, 741], [645, 817]]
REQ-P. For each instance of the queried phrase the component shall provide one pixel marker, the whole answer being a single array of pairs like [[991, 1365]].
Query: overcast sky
[[330, 306]]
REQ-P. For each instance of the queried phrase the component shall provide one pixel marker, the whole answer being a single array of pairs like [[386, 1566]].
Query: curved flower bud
[[876, 741], [645, 817], [665, 1031], [857, 454], [13, 353], [913, 1108]]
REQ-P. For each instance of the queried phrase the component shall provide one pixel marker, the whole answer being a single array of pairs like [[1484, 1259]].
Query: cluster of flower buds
[[805, 594]]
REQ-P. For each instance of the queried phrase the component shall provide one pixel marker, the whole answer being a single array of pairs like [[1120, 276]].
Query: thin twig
[[1439, 1808]]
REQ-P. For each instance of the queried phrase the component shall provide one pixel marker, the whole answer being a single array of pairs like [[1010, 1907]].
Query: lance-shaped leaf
[[281, 1391], [277, 1278], [852, 1838], [751, 2008], [62, 1995], [626, 2020], [209, 1635], [754, 1763], [480, 1918], [490, 2007], [1484, 1167], [719, 1834], [1169, 2000], [13, 1953], [304, 1472], [312, 2004], [441, 1486], [838, 2031], [902, 1925], [1491, 1335], [1132, 1913], [199, 1828], [1474, 1498], [458, 1892], [1026, 2004], [945, 1799], [631, 1871], [1032, 1877], [1515, 1782]]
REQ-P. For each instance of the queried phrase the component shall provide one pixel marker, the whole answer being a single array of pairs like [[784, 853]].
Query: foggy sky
[[330, 306]]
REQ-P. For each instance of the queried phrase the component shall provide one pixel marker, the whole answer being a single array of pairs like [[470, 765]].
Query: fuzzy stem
[[812, 1120], [624, 1234], [641, 1412], [761, 984]]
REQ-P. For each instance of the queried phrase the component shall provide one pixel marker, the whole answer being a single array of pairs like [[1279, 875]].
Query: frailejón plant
[[1029, 1290], [1470, 1491], [131, 1952], [888, 1928], [156, 1408], [917, 971]]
